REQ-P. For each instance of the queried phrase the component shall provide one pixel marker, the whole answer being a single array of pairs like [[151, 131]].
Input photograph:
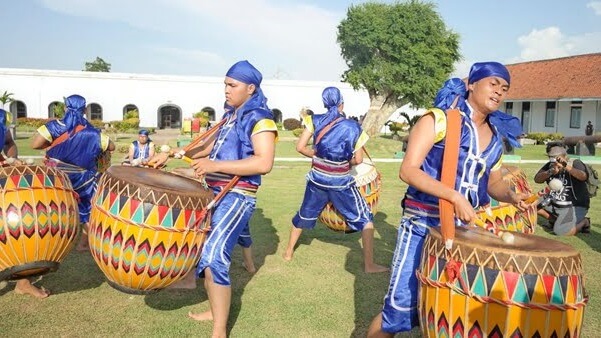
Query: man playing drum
[[73, 145], [478, 176], [244, 146], [8, 145], [337, 145]]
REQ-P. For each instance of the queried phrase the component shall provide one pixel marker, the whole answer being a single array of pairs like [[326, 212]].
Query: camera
[[552, 160]]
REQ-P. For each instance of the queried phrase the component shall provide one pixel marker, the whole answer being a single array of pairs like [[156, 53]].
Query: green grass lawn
[[321, 293]]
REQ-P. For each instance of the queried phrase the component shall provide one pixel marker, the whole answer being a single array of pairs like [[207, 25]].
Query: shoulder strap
[[65, 136], [326, 129], [450, 161]]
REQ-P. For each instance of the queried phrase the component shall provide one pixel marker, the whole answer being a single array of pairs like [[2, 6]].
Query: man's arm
[[10, 147]]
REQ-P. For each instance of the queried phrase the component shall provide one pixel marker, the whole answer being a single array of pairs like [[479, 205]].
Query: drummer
[[10, 157], [329, 179], [482, 128], [244, 146], [140, 150], [72, 145]]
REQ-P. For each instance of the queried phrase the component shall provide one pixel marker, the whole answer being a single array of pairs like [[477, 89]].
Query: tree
[[98, 65], [411, 121], [5, 98], [400, 53]]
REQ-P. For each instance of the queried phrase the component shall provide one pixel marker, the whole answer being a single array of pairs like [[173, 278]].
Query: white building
[[162, 101]]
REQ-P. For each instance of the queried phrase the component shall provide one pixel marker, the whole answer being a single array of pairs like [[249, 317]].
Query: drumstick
[[216, 199], [506, 236]]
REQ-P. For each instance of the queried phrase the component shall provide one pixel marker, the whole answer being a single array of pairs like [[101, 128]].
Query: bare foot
[[287, 256], [250, 267], [24, 287], [203, 316], [375, 268], [83, 244], [188, 282]]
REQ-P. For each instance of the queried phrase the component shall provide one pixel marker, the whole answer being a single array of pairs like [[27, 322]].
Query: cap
[[556, 151]]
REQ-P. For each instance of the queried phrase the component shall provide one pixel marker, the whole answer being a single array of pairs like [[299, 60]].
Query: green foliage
[[203, 117], [98, 65], [279, 125], [31, 122], [401, 51], [126, 125], [292, 124], [58, 110], [395, 127], [297, 132], [130, 114], [540, 138], [6, 97]]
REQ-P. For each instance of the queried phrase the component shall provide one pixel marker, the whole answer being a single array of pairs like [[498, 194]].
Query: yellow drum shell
[[505, 216], [39, 220], [369, 183], [534, 287], [147, 227]]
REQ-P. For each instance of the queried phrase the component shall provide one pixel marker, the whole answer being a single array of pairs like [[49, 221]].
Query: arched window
[[169, 116], [210, 111], [56, 109], [94, 112], [128, 109], [18, 109]]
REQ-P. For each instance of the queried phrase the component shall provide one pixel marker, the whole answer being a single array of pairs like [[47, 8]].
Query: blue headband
[[481, 70], [244, 72], [76, 106], [331, 97]]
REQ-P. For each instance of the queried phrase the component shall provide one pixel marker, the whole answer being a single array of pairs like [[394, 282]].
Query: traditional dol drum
[[505, 216], [147, 227], [39, 220], [368, 180], [531, 288]]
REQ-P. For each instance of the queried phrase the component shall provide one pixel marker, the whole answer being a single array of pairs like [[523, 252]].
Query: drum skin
[[531, 288], [147, 227], [369, 183], [39, 220], [504, 216]]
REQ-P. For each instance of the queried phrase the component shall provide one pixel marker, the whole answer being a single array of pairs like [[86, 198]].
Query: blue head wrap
[[331, 98], [2, 128], [244, 72], [508, 126], [76, 106], [481, 70], [144, 132]]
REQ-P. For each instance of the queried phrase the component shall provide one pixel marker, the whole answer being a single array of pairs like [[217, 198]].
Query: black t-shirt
[[574, 191]]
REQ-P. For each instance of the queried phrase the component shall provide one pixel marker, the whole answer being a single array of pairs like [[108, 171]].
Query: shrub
[[131, 114], [31, 122], [125, 125], [292, 124], [297, 132], [203, 117], [540, 138]]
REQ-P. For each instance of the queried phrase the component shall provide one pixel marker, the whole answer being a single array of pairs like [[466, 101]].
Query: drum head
[[158, 180], [524, 244]]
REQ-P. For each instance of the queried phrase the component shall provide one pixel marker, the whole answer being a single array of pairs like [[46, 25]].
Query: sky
[[285, 39]]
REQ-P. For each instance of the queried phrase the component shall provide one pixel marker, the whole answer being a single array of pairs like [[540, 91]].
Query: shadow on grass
[[265, 243], [369, 289]]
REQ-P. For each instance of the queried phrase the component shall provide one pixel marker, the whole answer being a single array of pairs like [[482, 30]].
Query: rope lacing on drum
[[453, 273]]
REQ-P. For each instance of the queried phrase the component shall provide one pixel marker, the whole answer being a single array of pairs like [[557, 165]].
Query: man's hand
[[158, 160]]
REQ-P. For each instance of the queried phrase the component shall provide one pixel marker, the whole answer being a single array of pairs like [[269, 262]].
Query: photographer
[[572, 201]]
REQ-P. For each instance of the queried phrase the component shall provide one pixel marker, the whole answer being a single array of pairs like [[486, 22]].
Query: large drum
[[368, 180], [505, 216], [39, 220], [531, 288], [147, 227]]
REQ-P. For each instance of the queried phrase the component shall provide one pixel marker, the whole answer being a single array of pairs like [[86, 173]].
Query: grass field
[[321, 293]]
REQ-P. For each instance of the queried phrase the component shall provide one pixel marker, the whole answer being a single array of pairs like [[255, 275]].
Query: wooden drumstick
[[506, 236]]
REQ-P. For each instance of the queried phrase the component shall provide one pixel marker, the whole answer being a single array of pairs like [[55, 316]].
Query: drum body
[[39, 220], [505, 216], [532, 288], [369, 183], [147, 227]]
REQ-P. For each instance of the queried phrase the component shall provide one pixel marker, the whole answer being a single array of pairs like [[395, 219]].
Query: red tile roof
[[573, 77]]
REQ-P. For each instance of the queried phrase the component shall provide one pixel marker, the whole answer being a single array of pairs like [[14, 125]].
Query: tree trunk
[[378, 113]]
